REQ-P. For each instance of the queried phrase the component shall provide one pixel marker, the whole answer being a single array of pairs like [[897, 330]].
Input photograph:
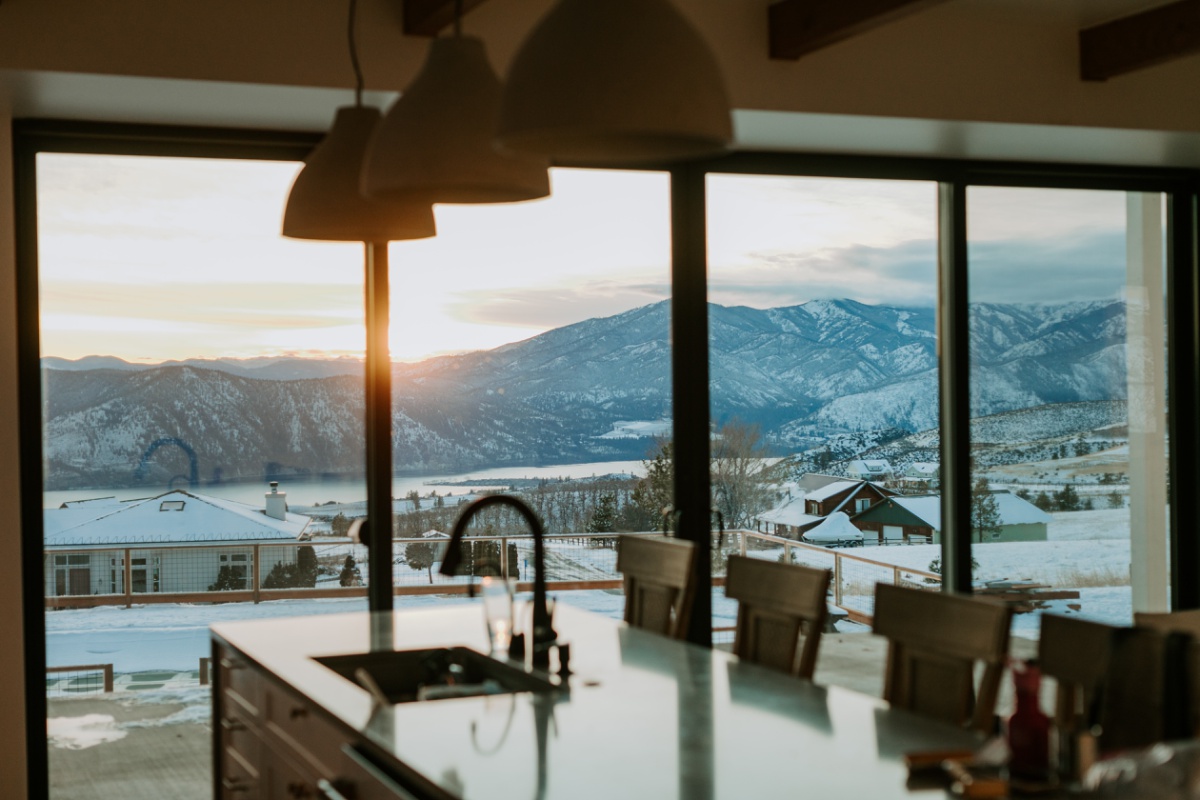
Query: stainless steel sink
[[405, 676]]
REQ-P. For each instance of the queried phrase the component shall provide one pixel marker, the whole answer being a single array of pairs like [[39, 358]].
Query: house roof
[[870, 466], [927, 508], [825, 492], [789, 512], [173, 518], [837, 527], [1011, 509], [815, 480], [1015, 511], [922, 468]]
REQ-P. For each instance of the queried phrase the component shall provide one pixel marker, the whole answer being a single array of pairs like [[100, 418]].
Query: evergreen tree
[[985, 511], [1116, 500], [340, 525], [1067, 499], [421, 555], [603, 518], [350, 576], [228, 581], [281, 576]]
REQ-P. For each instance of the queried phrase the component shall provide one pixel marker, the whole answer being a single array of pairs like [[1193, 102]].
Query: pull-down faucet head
[[544, 636]]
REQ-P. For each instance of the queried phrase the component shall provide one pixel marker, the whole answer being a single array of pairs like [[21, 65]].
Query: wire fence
[[319, 569], [339, 568]]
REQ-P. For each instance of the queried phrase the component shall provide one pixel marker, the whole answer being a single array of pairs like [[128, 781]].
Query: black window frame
[[689, 323]]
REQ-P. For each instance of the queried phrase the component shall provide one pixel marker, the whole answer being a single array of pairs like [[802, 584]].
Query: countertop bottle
[[1028, 728]]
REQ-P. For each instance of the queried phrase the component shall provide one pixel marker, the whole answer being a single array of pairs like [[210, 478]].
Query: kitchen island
[[641, 717]]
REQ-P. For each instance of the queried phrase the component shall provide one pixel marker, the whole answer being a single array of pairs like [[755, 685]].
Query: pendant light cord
[[358, 75], [458, 15]]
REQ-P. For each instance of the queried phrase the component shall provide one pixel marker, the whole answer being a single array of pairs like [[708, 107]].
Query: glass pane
[[191, 356], [825, 390], [1068, 350], [537, 358]]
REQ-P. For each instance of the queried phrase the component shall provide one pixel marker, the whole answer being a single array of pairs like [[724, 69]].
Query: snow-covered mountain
[[803, 373]]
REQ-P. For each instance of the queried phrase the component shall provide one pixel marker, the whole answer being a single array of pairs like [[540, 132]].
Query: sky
[[152, 259]]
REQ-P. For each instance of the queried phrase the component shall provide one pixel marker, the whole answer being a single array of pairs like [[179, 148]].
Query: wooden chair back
[[1183, 656], [657, 572], [1132, 682], [1076, 653], [778, 605], [935, 641], [1171, 622]]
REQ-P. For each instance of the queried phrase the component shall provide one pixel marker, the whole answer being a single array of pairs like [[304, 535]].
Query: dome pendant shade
[[615, 81], [325, 203], [437, 141]]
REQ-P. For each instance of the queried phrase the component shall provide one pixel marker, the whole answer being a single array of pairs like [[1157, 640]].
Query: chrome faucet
[[544, 637]]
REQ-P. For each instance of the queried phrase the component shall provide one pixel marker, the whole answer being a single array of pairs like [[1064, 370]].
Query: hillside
[[826, 371]]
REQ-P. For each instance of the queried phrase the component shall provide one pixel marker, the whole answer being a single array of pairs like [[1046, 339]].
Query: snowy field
[[1088, 550]]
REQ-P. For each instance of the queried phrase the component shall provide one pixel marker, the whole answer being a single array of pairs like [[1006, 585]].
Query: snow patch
[[78, 733]]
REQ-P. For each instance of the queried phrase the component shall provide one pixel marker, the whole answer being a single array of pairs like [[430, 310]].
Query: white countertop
[[645, 717]]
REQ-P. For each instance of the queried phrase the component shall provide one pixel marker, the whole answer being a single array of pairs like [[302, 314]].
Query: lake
[[311, 492]]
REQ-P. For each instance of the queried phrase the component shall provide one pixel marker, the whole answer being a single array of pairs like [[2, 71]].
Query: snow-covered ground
[[173, 636], [1088, 550]]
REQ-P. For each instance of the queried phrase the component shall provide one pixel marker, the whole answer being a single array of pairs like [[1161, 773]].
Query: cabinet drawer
[[237, 735], [285, 781], [297, 727], [239, 682], [361, 779], [238, 780]]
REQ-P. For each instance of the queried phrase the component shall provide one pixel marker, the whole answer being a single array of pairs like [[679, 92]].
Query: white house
[[870, 469], [175, 542], [924, 475]]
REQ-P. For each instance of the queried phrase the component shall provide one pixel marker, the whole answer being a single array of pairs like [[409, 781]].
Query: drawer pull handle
[[376, 774], [330, 790], [231, 664], [298, 712], [234, 785], [232, 724]]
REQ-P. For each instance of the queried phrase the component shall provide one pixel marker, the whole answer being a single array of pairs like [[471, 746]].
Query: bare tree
[[741, 474]]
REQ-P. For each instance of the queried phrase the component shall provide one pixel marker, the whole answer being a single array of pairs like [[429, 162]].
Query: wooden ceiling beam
[[1141, 40], [429, 17], [798, 27]]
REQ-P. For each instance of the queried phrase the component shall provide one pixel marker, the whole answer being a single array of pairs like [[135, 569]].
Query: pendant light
[[436, 141], [325, 202], [616, 82]]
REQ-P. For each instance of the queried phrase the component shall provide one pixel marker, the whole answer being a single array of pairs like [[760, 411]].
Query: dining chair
[[1179, 621], [935, 641], [778, 605], [659, 585], [1076, 654], [1183, 658], [1131, 682]]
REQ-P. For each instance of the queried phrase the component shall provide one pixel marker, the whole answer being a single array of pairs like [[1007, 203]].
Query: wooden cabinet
[[271, 744]]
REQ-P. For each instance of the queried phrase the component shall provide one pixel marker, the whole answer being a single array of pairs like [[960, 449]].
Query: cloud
[[1086, 266], [904, 274], [542, 309]]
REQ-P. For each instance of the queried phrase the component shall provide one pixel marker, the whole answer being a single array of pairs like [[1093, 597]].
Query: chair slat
[[777, 603], [934, 642], [658, 581]]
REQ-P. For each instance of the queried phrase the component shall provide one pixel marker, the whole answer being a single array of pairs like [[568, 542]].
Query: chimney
[[276, 502]]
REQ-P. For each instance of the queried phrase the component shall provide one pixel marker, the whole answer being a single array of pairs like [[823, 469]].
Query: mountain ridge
[[802, 373]]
